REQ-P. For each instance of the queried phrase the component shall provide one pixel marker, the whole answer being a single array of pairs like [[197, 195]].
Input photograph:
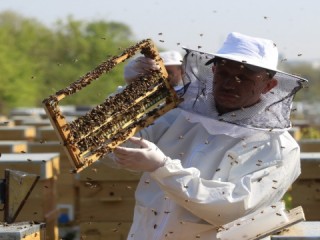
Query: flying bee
[[238, 80], [230, 156]]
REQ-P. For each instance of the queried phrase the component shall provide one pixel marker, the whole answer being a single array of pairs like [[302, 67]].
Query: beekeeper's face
[[174, 74], [237, 85]]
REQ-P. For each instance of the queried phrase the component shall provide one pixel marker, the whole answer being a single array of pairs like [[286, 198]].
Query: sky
[[292, 24]]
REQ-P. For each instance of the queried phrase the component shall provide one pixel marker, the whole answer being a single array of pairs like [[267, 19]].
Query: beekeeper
[[224, 152], [172, 60]]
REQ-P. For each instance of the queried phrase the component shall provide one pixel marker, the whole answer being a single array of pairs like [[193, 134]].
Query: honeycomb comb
[[95, 134]]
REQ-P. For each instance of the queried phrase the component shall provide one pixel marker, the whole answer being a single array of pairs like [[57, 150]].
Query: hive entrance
[[95, 134]]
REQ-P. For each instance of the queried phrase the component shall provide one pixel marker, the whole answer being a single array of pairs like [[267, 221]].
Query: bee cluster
[[105, 126]]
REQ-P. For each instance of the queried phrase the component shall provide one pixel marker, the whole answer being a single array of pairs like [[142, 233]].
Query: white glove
[[147, 158], [139, 66]]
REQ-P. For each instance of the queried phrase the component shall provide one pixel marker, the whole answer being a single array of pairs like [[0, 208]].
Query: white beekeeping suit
[[217, 166]]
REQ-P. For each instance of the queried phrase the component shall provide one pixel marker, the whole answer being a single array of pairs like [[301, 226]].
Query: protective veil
[[271, 113]]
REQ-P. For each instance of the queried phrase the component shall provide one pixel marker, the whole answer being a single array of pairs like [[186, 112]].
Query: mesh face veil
[[272, 112]]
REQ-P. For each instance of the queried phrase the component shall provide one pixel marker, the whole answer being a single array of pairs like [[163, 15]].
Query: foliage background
[[36, 61]]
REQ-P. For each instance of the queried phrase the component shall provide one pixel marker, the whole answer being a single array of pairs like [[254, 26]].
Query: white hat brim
[[240, 60]]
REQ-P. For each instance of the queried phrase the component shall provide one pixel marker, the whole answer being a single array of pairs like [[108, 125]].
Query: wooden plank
[[300, 231], [261, 223]]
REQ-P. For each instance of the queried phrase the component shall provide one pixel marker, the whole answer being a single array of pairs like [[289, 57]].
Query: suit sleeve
[[260, 177]]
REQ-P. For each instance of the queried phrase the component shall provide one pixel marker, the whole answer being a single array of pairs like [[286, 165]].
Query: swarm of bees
[[90, 137]]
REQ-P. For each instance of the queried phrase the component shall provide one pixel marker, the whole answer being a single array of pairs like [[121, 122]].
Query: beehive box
[[23, 231], [17, 133], [36, 122], [102, 187], [309, 145], [305, 191], [104, 230], [41, 205], [295, 133], [18, 120], [46, 165], [46, 133], [13, 146], [65, 179]]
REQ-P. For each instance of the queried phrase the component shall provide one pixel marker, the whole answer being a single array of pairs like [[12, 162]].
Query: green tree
[[79, 48], [36, 61], [21, 45]]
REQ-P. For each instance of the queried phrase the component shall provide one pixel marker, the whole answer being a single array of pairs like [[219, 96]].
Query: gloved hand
[[147, 158], [138, 66]]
